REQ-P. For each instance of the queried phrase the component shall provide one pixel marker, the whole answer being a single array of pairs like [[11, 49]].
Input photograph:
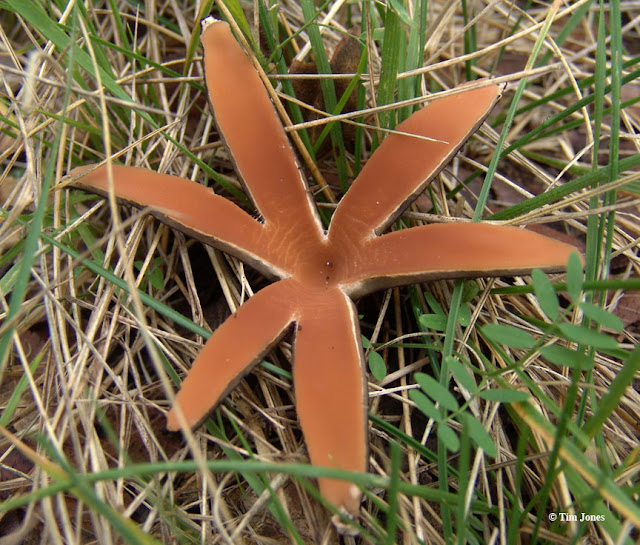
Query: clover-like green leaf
[[436, 391], [545, 294], [508, 335]]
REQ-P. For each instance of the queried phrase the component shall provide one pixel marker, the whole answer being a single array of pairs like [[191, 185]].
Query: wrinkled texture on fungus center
[[318, 274]]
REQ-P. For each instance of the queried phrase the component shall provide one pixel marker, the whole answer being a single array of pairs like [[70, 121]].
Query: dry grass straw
[[93, 392]]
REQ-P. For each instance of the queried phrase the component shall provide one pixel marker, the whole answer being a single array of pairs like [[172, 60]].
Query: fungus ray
[[403, 165], [254, 135], [420, 254], [233, 350], [330, 387], [190, 207]]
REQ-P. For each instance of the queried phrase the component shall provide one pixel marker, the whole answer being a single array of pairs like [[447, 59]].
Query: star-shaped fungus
[[318, 272]]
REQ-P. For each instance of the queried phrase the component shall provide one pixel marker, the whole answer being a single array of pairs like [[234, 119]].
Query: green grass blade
[[522, 84], [21, 387], [616, 390], [394, 482], [327, 85], [393, 41], [558, 193]]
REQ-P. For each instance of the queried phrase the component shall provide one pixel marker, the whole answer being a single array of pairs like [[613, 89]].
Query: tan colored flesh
[[232, 351], [252, 131], [331, 402], [319, 271], [190, 207], [453, 250], [402, 166]]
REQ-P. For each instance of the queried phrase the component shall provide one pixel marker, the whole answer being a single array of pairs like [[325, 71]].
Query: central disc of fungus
[[323, 270], [318, 274]]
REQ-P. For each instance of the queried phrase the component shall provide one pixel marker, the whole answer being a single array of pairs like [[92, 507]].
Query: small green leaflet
[[461, 374], [377, 365], [433, 303], [479, 435], [545, 293], [437, 322], [464, 315], [574, 277], [504, 396], [508, 335], [437, 392], [448, 437], [602, 316], [587, 336], [425, 405], [470, 290], [560, 355]]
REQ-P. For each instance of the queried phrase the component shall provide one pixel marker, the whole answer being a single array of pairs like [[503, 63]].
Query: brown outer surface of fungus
[[318, 273]]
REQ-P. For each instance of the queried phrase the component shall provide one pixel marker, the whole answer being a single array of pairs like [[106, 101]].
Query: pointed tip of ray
[[208, 21], [172, 421]]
